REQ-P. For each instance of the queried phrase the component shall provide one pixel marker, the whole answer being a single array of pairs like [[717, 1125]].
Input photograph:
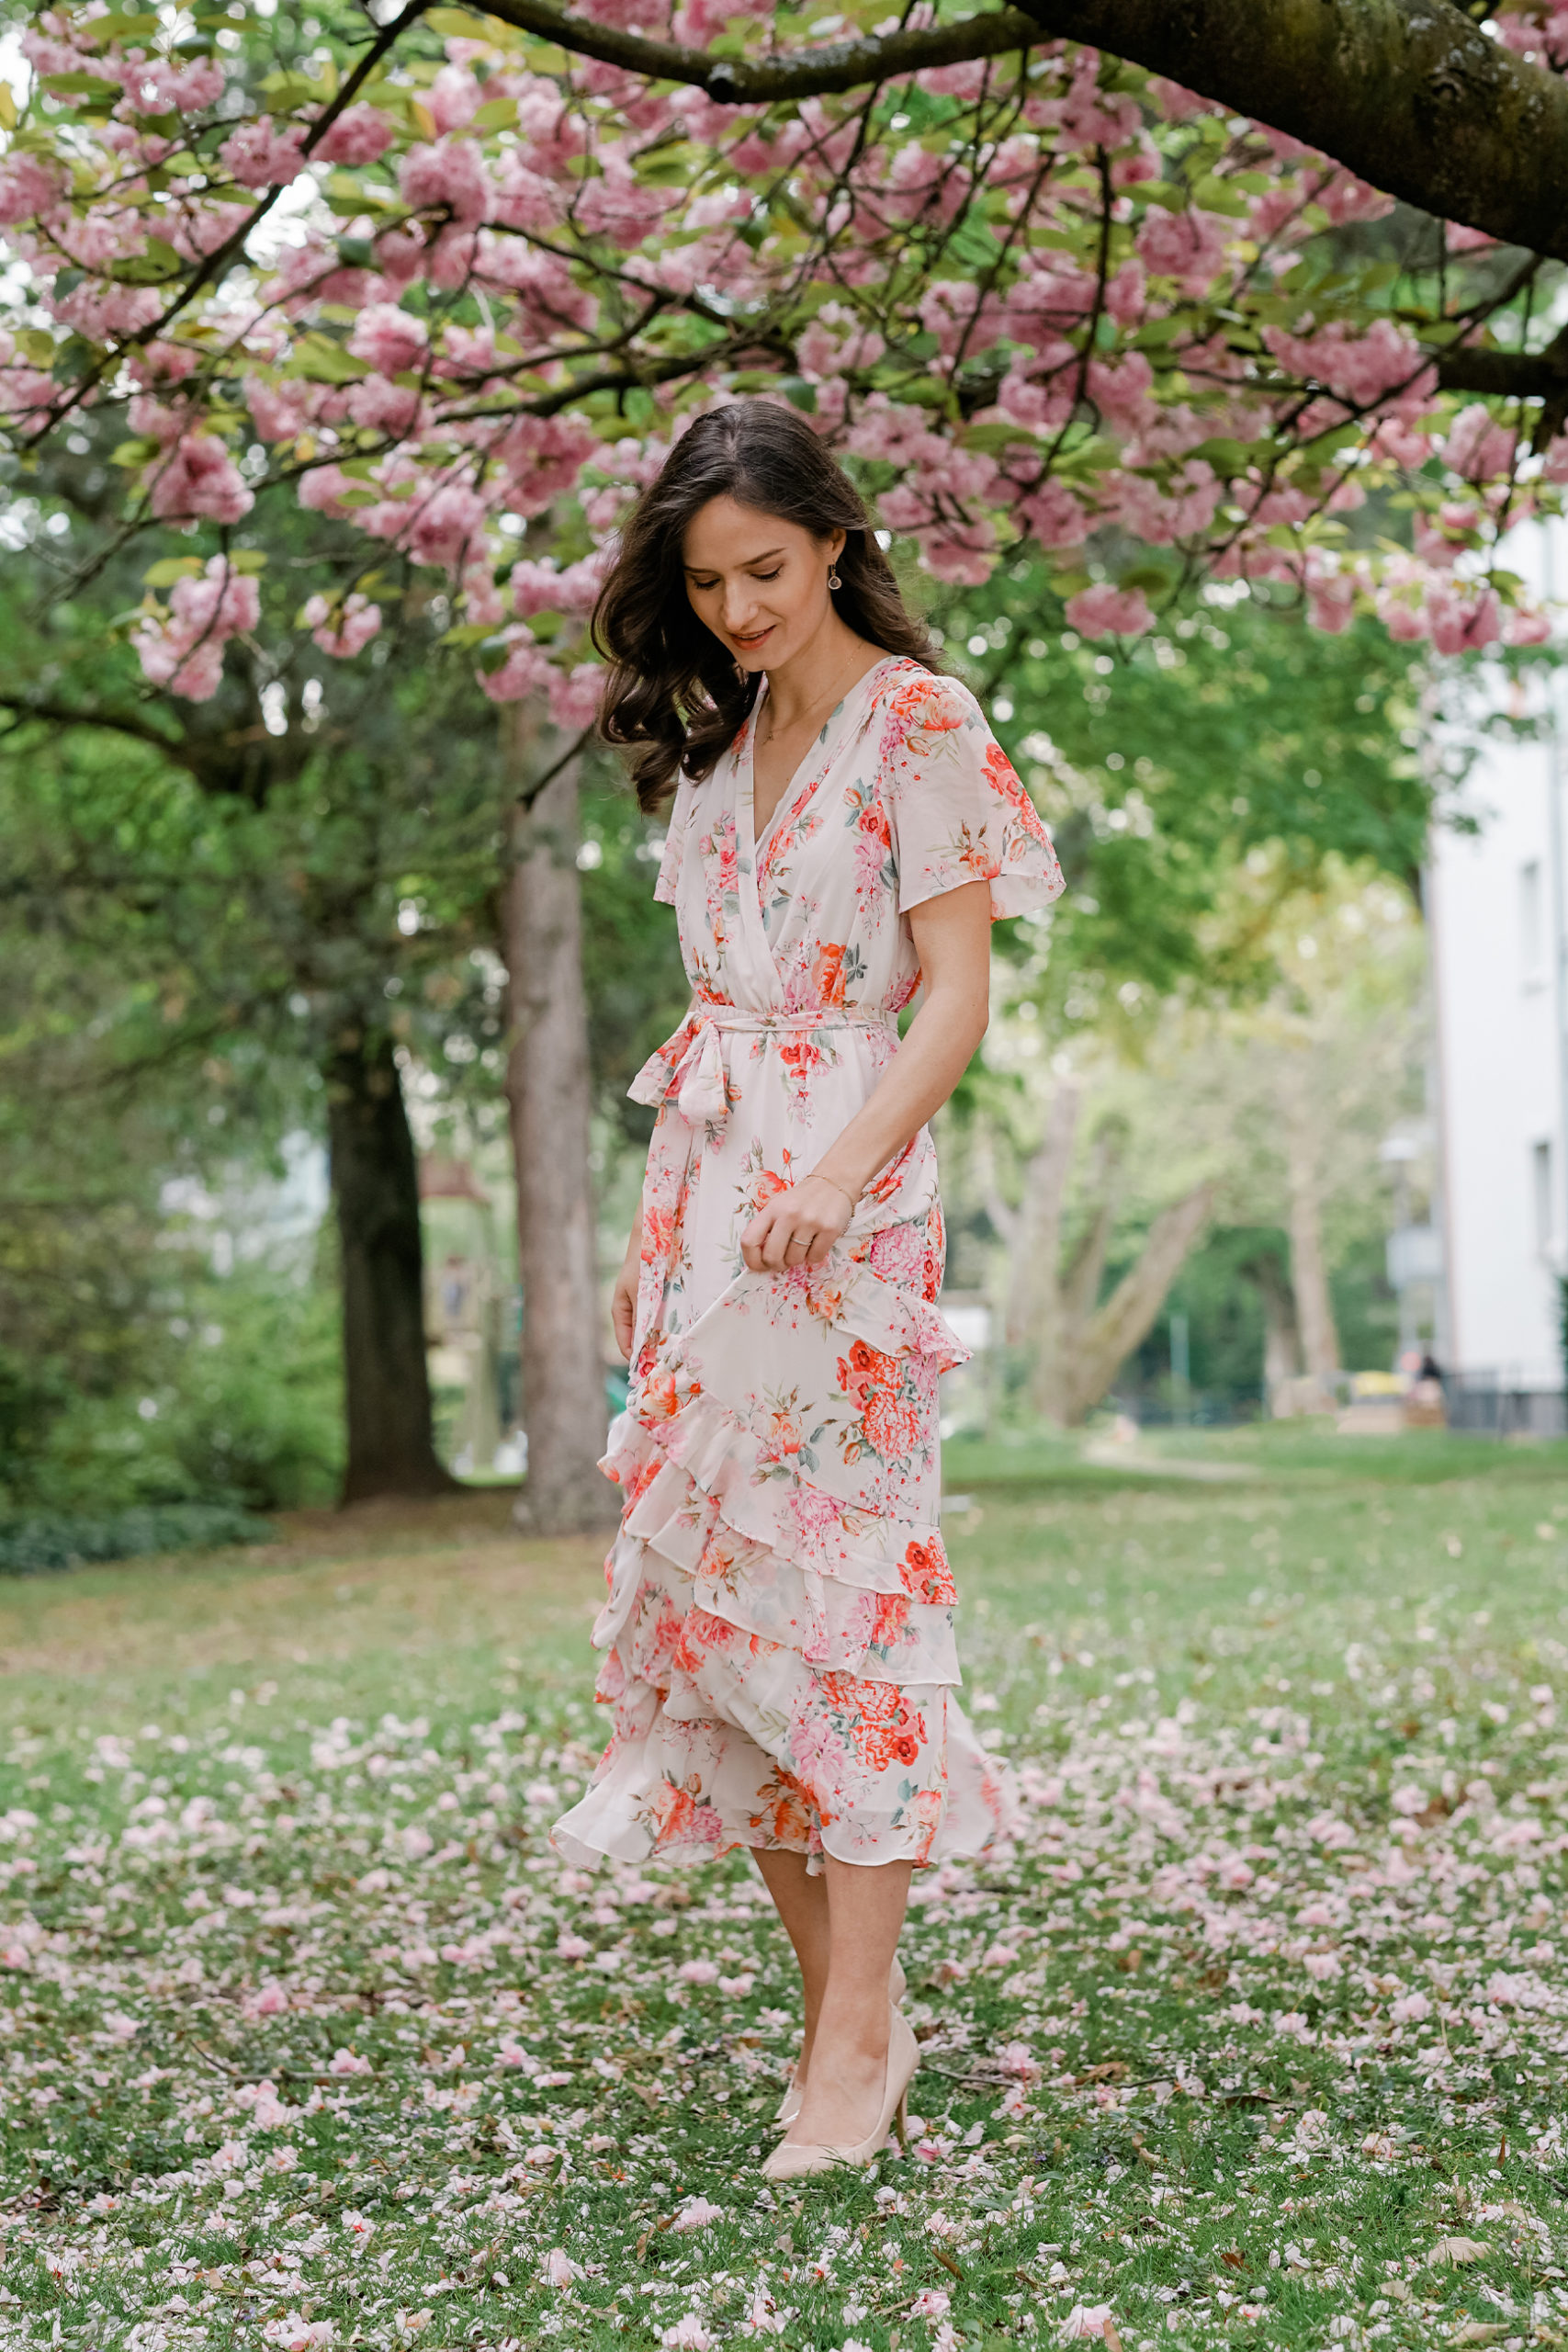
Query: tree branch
[[811, 72], [1408, 93]]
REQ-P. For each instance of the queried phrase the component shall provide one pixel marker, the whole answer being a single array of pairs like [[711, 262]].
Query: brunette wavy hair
[[674, 698]]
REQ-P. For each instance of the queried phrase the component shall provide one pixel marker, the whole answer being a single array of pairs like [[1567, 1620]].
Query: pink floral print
[[778, 1631]]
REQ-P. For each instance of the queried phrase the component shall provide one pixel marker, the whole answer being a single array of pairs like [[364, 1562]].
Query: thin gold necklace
[[807, 713]]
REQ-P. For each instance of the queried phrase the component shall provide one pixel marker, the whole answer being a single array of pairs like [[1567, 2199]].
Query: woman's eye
[[767, 575]]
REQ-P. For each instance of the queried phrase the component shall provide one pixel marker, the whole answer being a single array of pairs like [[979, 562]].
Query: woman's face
[[760, 583]]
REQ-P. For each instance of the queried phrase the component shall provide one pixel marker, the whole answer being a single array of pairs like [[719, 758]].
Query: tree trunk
[[1309, 1275], [392, 1448], [1051, 1304], [1282, 1337], [548, 1094], [1108, 1336], [1041, 1317]]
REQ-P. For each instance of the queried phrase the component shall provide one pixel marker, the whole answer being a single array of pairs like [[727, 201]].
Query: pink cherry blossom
[[342, 628], [1107, 611], [449, 176], [183, 648], [1478, 447], [360, 134], [389, 339], [697, 2214], [558, 2269], [1463, 619], [29, 188], [264, 153], [688, 2334]]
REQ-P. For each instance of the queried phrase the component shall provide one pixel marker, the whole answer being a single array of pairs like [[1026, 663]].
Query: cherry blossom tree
[[466, 283], [457, 279]]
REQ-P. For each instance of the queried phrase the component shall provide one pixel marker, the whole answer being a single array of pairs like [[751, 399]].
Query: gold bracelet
[[853, 1198]]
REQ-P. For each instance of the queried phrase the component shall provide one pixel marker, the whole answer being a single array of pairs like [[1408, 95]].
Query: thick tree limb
[[1408, 93], [825, 67]]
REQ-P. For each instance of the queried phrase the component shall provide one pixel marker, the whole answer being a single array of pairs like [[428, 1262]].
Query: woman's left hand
[[797, 1228]]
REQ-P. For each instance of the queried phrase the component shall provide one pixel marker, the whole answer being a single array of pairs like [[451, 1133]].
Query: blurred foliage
[[198, 900], [1233, 733], [39, 1542]]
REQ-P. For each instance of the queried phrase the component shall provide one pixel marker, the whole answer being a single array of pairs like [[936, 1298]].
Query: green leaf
[[496, 114], [119, 24], [171, 568], [248, 559], [82, 85], [321, 361], [995, 435]]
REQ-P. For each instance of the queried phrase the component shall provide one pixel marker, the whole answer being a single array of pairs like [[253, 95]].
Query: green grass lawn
[[1259, 2035]]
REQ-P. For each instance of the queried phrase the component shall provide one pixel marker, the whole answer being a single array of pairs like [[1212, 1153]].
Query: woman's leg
[[802, 1904], [844, 2084]]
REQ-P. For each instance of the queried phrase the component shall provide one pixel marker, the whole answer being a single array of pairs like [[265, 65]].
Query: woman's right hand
[[622, 1298]]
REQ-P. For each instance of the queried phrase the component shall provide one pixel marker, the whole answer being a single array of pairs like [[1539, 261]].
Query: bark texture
[[1409, 93], [548, 1096], [1079, 1346], [1309, 1267], [1281, 1338], [375, 1178]]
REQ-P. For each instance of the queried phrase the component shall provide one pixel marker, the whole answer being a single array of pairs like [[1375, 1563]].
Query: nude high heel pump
[[793, 2158], [789, 2105]]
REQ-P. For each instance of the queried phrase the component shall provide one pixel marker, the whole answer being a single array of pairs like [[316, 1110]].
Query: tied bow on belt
[[690, 1065]]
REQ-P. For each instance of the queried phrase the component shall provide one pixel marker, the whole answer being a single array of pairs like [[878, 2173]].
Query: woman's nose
[[740, 604]]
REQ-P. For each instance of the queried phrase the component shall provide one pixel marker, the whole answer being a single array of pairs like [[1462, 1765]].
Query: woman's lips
[[750, 644]]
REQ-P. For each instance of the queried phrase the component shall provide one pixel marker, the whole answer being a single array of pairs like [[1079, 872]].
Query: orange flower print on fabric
[[662, 1397], [882, 1726], [800, 1057], [701, 1631], [828, 973], [864, 1372], [926, 1574], [784, 1811], [874, 1384], [891, 1617], [892, 1426]]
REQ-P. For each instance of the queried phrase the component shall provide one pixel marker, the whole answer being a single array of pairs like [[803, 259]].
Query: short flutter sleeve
[[956, 810]]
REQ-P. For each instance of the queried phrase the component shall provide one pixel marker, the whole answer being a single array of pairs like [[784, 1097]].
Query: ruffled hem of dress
[[686, 1791], [769, 1551]]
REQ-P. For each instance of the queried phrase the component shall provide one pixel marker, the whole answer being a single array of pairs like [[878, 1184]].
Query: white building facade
[[1497, 911]]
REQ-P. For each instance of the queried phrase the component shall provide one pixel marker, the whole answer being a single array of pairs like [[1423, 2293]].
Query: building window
[[1532, 923], [1540, 1195]]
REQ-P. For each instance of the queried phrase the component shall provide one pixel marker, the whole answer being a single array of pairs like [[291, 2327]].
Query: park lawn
[[1257, 2037]]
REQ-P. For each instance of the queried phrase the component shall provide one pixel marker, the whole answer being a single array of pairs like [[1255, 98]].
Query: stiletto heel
[[789, 2105], [792, 2158], [902, 2121]]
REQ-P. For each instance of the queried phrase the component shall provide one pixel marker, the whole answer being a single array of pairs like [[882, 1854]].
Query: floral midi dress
[[778, 1632]]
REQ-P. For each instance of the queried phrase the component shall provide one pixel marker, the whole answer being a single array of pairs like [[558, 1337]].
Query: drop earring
[[833, 579]]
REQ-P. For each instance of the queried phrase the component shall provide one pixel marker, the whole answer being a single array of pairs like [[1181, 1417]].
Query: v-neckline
[[792, 801]]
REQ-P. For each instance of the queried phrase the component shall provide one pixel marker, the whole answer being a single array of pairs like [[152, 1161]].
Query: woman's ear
[[837, 541]]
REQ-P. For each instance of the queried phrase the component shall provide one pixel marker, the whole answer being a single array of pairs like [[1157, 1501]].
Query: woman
[[779, 1625]]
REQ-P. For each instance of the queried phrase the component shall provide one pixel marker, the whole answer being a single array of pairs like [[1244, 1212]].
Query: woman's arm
[[622, 1298], [952, 939]]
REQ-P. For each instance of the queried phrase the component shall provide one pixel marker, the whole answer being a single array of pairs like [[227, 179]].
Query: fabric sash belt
[[690, 1065]]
